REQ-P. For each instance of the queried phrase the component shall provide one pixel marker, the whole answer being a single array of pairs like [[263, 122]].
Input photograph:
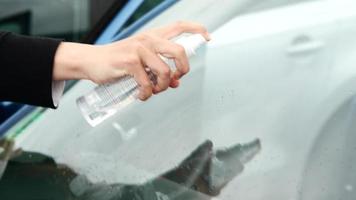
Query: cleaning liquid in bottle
[[107, 99]]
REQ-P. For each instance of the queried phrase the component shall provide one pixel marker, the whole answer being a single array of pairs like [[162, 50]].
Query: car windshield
[[266, 112]]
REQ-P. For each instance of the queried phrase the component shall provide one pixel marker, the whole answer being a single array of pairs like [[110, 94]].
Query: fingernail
[[176, 76]]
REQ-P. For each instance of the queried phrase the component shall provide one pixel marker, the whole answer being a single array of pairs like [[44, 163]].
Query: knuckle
[[140, 37], [138, 45], [165, 73], [201, 28], [185, 70], [143, 38], [146, 85], [162, 87], [132, 60], [145, 91], [180, 50], [205, 30], [179, 24], [145, 95]]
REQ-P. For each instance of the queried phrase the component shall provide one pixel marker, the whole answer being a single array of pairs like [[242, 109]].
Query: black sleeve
[[26, 65]]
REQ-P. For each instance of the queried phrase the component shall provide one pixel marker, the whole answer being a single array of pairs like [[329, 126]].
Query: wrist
[[69, 61]]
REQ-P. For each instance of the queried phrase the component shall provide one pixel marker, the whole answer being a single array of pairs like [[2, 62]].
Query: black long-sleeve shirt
[[26, 69]]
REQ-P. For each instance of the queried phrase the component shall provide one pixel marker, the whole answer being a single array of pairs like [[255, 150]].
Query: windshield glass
[[266, 112]]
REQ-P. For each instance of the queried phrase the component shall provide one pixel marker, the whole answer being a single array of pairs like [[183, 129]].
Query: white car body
[[285, 75]]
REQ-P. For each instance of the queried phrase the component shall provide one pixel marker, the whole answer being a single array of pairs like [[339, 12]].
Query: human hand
[[131, 56]]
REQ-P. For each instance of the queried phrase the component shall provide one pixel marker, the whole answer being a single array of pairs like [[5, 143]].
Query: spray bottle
[[107, 99]]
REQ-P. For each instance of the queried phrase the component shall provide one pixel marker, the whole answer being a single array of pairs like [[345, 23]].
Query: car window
[[266, 112]]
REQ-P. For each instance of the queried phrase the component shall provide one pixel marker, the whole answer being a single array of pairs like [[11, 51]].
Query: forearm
[[70, 61]]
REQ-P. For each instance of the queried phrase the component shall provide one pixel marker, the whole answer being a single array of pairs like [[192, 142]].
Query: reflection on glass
[[202, 175], [142, 10], [17, 23]]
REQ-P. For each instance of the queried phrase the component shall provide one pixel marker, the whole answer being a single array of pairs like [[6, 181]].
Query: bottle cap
[[191, 43]]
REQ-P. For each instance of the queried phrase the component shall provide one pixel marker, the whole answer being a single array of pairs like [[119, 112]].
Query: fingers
[[174, 83], [170, 51], [159, 68], [180, 27], [148, 52], [148, 48], [140, 76], [176, 52], [152, 46]]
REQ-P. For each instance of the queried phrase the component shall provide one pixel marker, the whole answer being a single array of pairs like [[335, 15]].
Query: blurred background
[[65, 19]]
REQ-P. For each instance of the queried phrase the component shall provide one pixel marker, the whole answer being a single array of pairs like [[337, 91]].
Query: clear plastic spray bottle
[[107, 99]]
